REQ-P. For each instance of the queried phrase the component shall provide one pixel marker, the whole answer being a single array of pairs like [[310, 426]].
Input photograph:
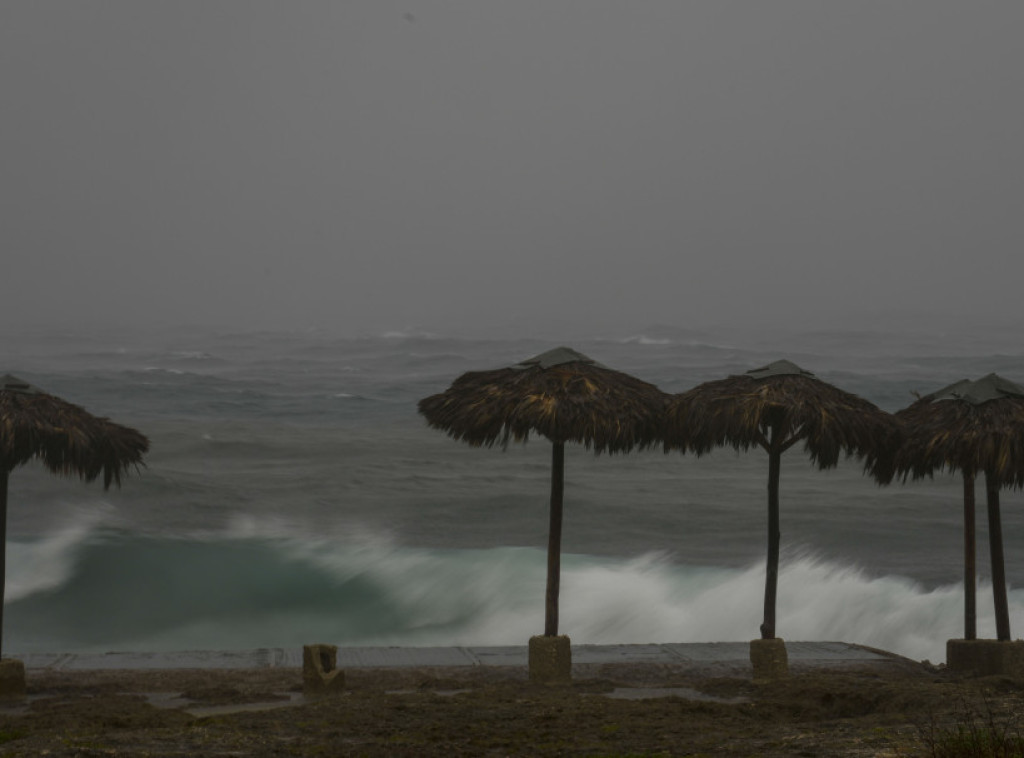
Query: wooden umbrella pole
[[555, 539], [995, 541], [774, 537], [3, 549], [970, 580]]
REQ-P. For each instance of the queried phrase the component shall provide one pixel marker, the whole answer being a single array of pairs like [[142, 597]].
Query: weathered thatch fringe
[[739, 411], [563, 396], [958, 435], [774, 408], [974, 427], [579, 402], [65, 438]]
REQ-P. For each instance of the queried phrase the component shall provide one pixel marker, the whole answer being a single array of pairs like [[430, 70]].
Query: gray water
[[292, 492]]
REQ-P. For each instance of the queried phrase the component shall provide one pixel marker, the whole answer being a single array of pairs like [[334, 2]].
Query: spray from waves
[[47, 563], [108, 590], [653, 600]]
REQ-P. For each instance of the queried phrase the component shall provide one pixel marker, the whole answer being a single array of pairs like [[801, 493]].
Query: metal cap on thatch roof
[[950, 392], [10, 383], [556, 357], [778, 368], [991, 387]]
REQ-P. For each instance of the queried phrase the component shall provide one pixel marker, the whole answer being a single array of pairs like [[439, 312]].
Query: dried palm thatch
[[969, 427], [564, 396], [65, 438], [561, 395], [776, 407], [781, 405], [972, 427]]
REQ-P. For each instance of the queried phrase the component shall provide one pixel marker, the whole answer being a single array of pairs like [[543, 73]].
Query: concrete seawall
[[699, 655]]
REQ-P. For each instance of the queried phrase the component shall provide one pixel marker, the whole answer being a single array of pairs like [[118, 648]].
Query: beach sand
[[608, 710]]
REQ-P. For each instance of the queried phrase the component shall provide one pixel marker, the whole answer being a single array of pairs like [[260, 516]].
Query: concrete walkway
[[696, 654]]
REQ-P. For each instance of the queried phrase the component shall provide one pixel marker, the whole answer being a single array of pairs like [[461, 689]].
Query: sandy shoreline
[[609, 709]]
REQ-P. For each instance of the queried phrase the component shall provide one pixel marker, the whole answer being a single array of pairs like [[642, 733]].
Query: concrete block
[[769, 659], [12, 679], [550, 660], [986, 657], [320, 674]]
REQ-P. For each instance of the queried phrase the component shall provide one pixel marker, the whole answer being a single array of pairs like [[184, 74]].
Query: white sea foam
[[652, 601], [640, 339], [360, 587], [197, 355], [47, 563], [495, 597], [162, 370]]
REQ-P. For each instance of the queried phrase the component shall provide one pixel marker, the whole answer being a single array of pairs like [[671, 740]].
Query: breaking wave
[[91, 588]]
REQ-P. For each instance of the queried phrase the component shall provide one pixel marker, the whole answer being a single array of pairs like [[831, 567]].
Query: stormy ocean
[[294, 495]]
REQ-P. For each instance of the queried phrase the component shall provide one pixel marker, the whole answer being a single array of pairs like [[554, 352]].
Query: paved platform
[[696, 654]]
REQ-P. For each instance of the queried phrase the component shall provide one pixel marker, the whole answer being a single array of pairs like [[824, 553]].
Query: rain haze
[[261, 233], [463, 166]]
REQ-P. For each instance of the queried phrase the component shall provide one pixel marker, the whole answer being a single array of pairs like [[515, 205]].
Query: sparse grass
[[7, 735], [976, 734], [825, 714]]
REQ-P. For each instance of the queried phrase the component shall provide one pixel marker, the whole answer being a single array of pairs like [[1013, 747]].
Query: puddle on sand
[[171, 700], [648, 693], [442, 693]]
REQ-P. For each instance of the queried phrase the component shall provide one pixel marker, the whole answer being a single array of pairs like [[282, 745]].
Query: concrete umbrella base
[[12, 679], [550, 660], [320, 673], [769, 659], [985, 657]]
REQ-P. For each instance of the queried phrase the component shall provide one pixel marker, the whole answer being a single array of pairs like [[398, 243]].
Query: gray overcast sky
[[385, 164]]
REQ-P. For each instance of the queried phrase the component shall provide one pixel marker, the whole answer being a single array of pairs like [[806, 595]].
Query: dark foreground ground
[[614, 710]]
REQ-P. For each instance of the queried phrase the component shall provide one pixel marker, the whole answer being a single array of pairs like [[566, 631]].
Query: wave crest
[[273, 585]]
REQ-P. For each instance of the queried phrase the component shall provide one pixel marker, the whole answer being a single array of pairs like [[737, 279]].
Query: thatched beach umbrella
[[64, 438], [562, 395], [774, 408], [971, 427]]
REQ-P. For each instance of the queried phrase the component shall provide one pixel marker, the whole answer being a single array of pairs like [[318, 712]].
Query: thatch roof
[[738, 411], [562, 395], [969, 426], [64, 437]]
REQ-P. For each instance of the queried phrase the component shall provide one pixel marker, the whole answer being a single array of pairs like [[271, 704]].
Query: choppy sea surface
[[293, 495]]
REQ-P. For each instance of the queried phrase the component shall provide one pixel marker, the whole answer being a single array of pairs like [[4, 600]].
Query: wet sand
[[887, 707]]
